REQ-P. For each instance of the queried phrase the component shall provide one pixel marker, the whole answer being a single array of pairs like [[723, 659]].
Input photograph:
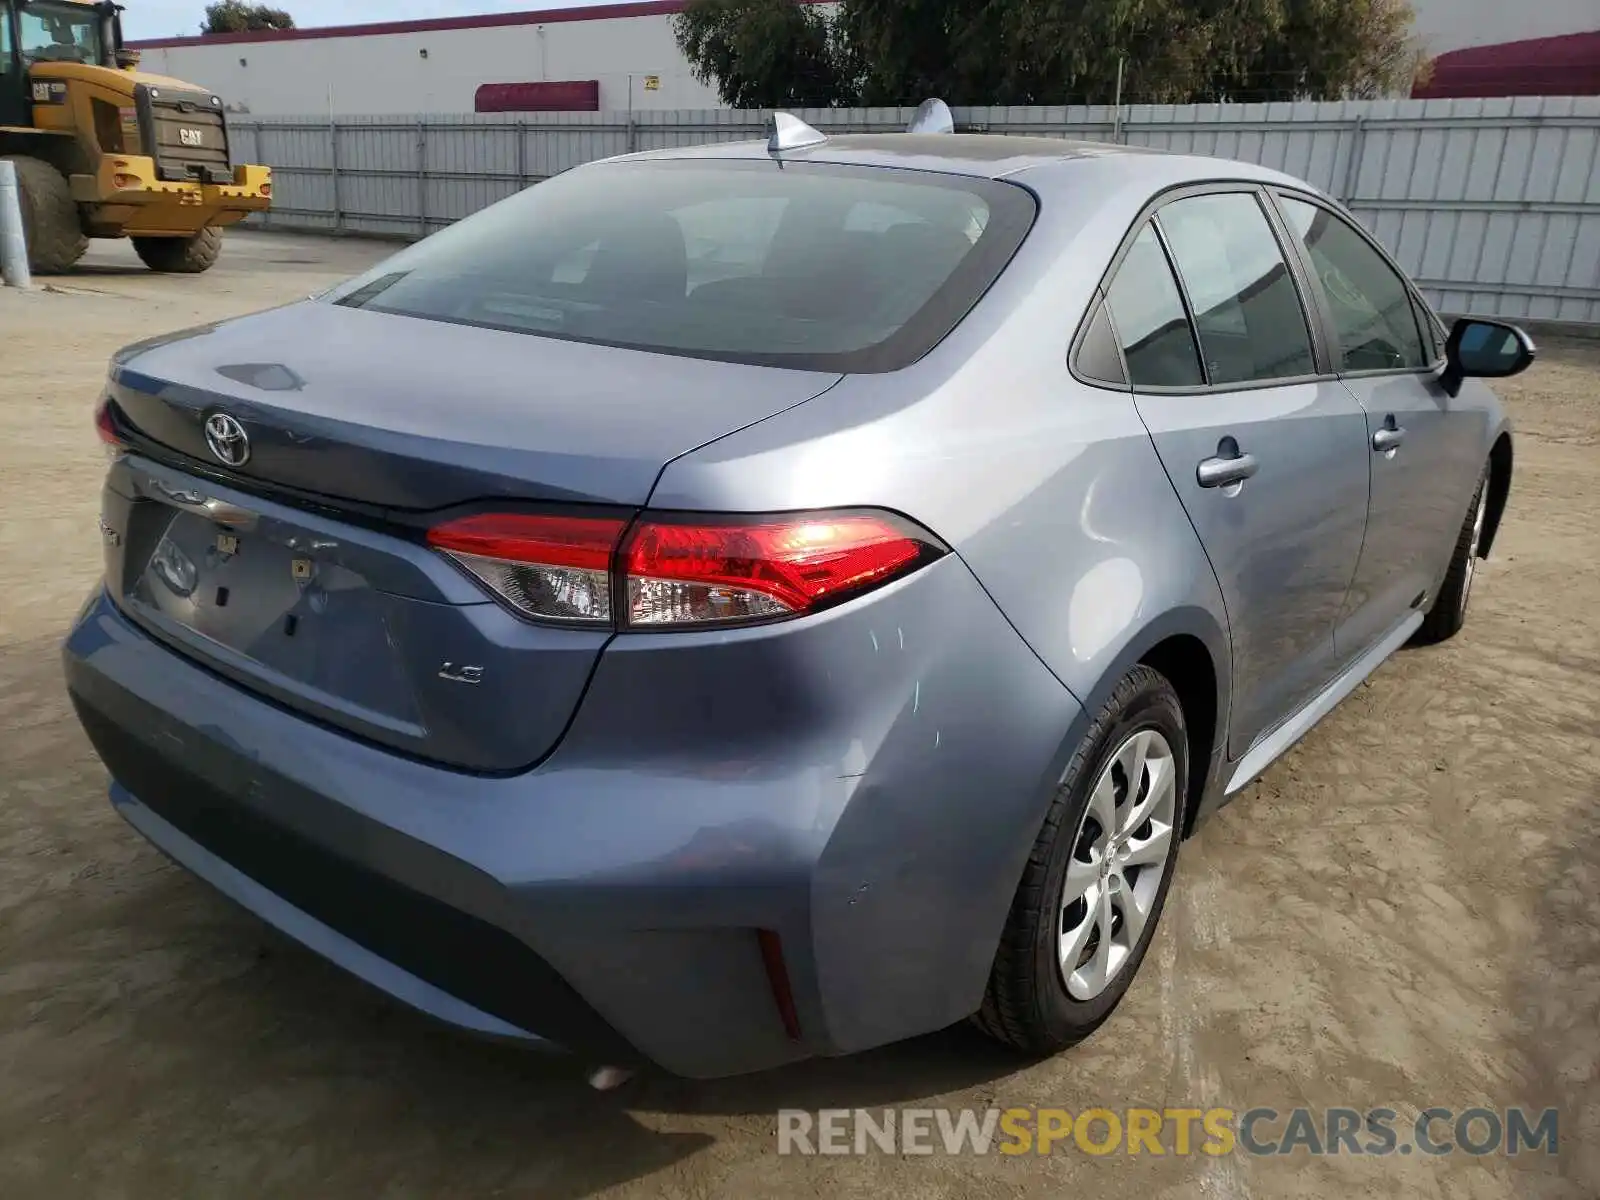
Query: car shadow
[[511, 1110], [440, 1059], [936, 1064]]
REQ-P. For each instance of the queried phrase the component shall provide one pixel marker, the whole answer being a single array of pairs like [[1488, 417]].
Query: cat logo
[[194, 138], [49, 93]]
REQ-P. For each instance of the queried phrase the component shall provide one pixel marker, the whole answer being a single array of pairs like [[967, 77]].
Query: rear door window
[[1247, 309], [809, 265], [1147, 309]]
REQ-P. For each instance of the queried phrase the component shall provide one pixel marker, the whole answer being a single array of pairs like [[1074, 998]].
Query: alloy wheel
[[1477, 541], [1118, 859]]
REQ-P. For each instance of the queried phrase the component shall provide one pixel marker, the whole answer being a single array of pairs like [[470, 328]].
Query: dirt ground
[[1404, 912]]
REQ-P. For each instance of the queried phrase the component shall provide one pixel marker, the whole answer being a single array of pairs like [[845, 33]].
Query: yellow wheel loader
[[104, 151]]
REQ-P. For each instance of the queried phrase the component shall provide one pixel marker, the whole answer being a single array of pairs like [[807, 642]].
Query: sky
[[182, 18]]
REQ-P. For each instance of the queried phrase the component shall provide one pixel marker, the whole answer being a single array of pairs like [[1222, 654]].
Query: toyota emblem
[[227, 440]]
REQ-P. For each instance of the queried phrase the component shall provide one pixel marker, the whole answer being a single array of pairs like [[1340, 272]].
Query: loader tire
[[180, 255], [50, 223]]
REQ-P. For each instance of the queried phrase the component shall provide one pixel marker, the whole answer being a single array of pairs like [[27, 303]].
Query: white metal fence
[[1492, 205]]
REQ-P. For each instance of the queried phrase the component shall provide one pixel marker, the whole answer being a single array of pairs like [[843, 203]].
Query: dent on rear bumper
[[867, 783]]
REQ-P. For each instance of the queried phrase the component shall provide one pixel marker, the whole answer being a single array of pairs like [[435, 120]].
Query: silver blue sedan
[[736, 604]]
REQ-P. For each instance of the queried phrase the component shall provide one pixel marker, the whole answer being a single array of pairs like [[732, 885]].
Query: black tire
[[1027, 1004], [180, 255], [1449, 611], [50, 222]]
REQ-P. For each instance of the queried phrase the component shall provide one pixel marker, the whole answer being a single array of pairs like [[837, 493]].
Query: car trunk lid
[[413, 414], [334, 605]]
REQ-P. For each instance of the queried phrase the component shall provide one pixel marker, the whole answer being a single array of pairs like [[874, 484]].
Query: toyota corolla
[[736, 604]]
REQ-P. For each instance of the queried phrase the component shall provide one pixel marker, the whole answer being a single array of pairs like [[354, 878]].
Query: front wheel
[[180, 255], [1449, 611], [50, 224], [1098, 877]]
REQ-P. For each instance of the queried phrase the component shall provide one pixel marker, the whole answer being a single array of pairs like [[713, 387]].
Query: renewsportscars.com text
[[1375, 1132]]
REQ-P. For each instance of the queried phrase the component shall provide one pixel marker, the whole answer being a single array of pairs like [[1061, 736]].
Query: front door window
[[1371, 305]]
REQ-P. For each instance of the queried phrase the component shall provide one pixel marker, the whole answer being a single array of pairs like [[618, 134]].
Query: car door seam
[[1366, 526], [1225, 719]]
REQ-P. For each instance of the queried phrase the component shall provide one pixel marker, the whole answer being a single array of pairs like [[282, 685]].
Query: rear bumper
[[296, 922], [870, 794]]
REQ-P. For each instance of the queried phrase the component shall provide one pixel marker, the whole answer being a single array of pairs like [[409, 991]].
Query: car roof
[[990, 156]]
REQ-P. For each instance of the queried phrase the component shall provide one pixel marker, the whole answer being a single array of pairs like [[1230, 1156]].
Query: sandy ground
[[1405, 912]]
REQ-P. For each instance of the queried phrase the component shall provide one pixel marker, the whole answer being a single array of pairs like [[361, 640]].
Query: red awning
[[572, 95], [1555, 66]]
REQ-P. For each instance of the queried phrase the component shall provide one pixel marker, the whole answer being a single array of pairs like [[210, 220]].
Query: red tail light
[[106, 428], [688, 571], [547, 567], [750, 569]]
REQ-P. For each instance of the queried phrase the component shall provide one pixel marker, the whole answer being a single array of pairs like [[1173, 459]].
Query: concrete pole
[[13, 246]]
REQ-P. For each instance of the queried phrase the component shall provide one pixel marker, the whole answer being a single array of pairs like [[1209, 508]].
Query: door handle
[[1225, 472], [1388, 439]]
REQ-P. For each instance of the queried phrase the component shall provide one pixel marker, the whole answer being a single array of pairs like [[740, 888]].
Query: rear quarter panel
[[1049, 489]]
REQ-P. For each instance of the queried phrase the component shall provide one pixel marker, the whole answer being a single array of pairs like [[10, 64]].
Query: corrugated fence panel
[[378, 192], [1493, 205], [470, 163]]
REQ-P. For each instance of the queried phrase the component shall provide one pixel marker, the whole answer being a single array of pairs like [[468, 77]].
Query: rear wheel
[[1098, 877], [1449, 611], [180, 255], [50, 223]]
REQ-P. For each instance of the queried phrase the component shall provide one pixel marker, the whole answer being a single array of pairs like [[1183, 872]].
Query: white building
[[620, 56], [437, 66]]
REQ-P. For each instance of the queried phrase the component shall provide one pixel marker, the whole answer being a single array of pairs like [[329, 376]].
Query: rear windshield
[[801, 265]]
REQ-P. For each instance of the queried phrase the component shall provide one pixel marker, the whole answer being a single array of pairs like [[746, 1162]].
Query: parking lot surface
[[1403, 913]]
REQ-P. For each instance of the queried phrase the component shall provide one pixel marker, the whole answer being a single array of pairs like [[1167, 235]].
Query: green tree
[[236, 16], [1049, 51], [762, 53], [1362, 49]]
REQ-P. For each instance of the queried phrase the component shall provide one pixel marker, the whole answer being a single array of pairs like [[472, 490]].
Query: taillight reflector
[[778, 980], [682, 571]]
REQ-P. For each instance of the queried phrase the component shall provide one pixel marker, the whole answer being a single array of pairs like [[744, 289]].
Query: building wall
[[369, 71], [1445, 25], [386, 73]]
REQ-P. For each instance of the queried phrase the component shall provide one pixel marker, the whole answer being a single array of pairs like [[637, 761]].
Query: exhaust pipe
[[607, 1079]]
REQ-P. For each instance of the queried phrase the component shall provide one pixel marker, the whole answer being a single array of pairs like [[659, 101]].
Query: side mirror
[[1480, 349]]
